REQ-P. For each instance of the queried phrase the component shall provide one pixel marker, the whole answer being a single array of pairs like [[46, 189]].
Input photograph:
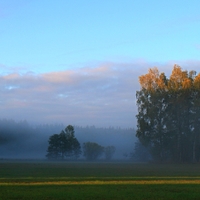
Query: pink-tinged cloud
[[102, 96]]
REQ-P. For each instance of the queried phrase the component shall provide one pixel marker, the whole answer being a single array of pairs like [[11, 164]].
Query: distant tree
[[73, 147], [109, 152], [64, 145], [53, 151], [92, 151]]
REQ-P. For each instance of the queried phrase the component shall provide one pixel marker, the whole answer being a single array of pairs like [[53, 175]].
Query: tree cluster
[[168, 119], [64, 145], [92, 151]]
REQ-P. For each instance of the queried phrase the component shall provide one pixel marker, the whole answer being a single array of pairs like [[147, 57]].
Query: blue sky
[[52, 38], [43, 35]]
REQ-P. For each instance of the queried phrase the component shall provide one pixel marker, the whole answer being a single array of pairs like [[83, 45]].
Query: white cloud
[[103, 95]]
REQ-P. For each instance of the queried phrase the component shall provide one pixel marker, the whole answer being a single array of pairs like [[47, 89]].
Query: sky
[[78, 62]]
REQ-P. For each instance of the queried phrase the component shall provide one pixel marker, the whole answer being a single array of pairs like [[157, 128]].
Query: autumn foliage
[[168, 119]]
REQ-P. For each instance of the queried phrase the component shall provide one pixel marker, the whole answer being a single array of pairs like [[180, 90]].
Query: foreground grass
[[48, 180], [101, 192]]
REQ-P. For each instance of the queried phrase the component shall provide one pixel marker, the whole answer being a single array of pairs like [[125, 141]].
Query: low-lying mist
[[20, 140]]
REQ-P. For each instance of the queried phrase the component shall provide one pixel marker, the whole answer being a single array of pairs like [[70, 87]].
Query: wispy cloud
[[103, 95]]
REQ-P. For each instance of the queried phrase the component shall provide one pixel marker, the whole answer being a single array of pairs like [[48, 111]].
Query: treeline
[[22, 140], [168, 119]]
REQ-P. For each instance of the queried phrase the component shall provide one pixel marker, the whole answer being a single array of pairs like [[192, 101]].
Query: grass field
[[76, 180]]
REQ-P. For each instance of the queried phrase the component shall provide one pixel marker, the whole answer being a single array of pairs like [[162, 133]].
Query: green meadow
[[100, 180]]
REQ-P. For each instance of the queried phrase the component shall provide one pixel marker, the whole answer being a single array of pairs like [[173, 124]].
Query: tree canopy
[[168, 119]]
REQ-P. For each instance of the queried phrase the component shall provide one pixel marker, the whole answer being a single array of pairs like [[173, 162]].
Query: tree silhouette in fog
[[92, 151], [64, 145], [109, 152]]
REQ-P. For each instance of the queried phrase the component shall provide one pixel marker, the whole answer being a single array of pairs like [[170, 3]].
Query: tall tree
[[152, 105], [169, 114], [180, 86], [195, 121]]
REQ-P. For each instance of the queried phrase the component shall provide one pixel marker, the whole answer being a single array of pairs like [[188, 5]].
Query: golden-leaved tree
[[168, 119]]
